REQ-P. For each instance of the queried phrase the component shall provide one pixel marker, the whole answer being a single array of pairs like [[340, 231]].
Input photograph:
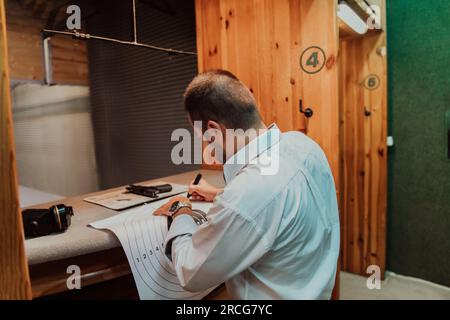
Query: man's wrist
[[184, 210], [199, 217]]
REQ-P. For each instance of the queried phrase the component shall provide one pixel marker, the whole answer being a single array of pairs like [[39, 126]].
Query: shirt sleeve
[[208, 255]]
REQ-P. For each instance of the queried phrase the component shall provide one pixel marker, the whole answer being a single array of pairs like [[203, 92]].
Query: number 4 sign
[[312, 59]]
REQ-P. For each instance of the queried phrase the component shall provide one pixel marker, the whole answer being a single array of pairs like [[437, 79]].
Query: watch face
[[174, 206]]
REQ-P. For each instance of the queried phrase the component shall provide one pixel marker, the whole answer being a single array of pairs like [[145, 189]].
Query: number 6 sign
[[312, 59], [371, 82]]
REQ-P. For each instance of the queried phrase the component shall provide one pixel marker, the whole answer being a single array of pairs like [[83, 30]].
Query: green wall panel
[[419, 170]]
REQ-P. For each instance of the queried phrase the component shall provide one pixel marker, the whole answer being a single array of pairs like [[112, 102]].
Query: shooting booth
[[316, 66]]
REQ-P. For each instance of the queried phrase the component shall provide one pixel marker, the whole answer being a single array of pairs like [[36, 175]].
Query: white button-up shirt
[[272, 233]]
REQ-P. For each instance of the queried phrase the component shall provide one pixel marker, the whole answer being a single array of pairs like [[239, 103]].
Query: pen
[[196, 181]]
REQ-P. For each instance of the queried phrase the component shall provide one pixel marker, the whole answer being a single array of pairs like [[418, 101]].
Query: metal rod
[[130, 43], [134, 22], [47, 59]]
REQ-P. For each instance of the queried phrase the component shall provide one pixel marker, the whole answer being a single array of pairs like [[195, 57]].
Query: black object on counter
[[42, 222], [149, 191]]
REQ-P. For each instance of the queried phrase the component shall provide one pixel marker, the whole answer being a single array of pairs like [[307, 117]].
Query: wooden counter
[[103, 264]]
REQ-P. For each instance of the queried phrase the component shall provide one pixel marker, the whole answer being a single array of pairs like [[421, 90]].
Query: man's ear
[[216, 129], [213, 125]]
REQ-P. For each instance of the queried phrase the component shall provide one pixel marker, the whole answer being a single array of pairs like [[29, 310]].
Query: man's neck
[[243, 140]]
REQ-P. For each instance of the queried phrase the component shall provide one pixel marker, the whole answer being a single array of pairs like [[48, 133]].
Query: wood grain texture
[[69, 57], [261, 41], [51, 277], [364, 154], [320, 91], [99, 279], [14, 277], [252, 39]]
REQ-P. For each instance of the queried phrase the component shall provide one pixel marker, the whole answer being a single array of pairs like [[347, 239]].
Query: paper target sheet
[[142, 236]]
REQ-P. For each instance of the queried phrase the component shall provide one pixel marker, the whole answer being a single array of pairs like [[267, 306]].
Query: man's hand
[[165, 209], [171, 209], [203, 191]]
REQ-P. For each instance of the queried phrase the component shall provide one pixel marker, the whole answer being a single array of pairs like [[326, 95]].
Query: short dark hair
[[218, 95]]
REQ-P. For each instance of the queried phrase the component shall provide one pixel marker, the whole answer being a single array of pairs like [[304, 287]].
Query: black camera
[[42, 222]]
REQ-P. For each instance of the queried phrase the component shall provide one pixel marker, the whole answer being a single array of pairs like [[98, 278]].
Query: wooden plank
[[208, 26], [69, 56], [280, 46], [51, 277], [14, 277], [320, 90], [378, 156], [351, 107], [99, 269], [251, 38], [265, 59], [364, 174], [298, 120]]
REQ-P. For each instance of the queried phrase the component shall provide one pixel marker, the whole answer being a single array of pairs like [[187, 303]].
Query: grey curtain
[[136, 93]]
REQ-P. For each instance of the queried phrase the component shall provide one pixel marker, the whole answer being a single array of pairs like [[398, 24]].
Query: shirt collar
[[252, 150]]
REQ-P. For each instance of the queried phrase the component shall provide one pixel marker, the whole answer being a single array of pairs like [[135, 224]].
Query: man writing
[[271, 234]]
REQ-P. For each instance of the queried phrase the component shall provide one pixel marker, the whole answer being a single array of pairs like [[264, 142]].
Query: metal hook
[[308, 112]]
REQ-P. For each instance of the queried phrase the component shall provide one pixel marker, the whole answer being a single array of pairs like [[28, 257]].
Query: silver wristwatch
[[198, 215], [177, 205]]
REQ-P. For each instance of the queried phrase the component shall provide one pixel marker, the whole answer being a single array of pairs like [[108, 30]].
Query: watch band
[[177, 205], [198, 216]]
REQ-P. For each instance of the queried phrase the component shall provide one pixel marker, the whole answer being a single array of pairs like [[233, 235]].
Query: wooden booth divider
[[14, 277], [363, 135]]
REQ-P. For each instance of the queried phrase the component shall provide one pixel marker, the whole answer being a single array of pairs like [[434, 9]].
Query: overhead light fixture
[[351, 18]]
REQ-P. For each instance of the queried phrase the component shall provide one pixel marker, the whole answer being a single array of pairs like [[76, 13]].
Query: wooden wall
[[262, 42], [24, 24], [251, 39], [364, 152], [14, 277]]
